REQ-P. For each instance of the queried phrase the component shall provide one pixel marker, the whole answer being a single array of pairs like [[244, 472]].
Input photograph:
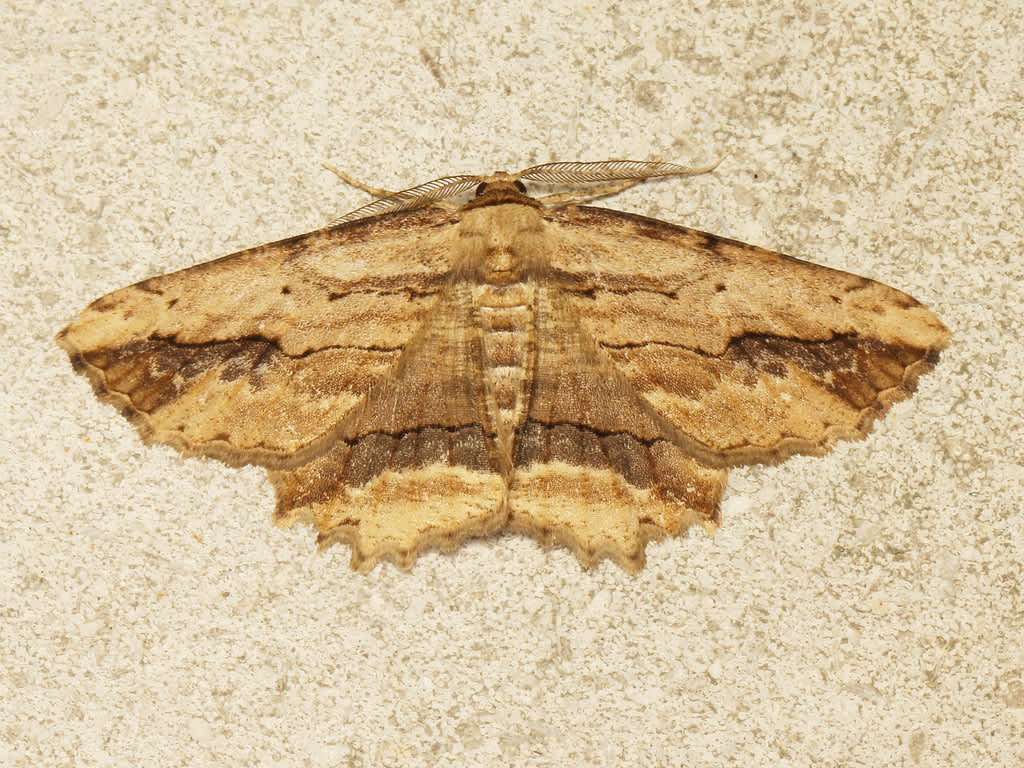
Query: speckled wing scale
[[421, 372]]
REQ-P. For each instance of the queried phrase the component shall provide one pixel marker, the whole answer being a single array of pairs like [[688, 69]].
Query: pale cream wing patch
[[752, 355], [257, 356]]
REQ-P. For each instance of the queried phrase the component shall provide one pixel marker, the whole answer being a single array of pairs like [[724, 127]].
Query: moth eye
[[520, 186], [480, 189]]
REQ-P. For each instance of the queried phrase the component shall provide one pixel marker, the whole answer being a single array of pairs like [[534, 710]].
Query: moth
[[421, 372]]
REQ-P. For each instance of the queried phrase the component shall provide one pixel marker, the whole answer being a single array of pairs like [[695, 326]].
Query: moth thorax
[[502, 267], [507, 316]]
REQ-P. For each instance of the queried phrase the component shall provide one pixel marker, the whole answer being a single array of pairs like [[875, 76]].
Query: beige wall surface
[[862, 609]]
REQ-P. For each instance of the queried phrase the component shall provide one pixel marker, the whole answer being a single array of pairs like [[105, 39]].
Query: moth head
[[499, 184], [487, 184]]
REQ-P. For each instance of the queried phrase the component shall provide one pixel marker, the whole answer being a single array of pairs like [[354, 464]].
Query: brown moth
[[419, 372]]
